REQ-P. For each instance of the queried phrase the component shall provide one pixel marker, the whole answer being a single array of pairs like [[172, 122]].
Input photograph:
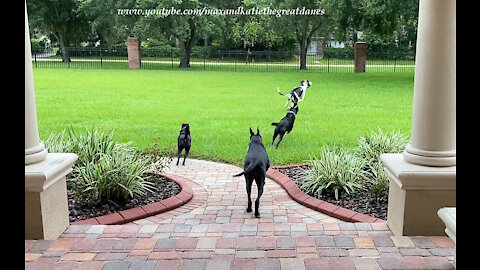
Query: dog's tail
[[250, 168], [274, 124], [278, 90]]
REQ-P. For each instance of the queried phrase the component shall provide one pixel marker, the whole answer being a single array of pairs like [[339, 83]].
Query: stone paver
[[212, 231]]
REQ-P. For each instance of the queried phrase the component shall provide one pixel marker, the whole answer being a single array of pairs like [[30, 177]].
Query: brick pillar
[[360, 56], [134, 56]]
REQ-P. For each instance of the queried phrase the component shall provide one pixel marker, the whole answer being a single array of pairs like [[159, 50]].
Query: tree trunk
[[303, 56], [304, 39], [354, 36], [65, 53], [187, 45], [185, 52]]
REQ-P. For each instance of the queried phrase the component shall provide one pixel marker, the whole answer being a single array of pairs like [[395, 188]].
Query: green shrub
[[370, 147], [56, 143], [106, 170], [377, 182], [339, 53], [336, 172], [115, 176]]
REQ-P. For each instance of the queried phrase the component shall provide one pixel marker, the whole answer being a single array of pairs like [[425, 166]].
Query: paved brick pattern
[[212, 231]]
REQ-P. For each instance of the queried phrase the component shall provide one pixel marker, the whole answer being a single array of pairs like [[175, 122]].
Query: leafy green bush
[[335, 172], [115, 176], [106, 170], [339, 53], [56, 143], [377, 182], [370, 147]]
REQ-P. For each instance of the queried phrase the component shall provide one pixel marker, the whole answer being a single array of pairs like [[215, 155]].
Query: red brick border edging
[[129, 215], [311, 202]]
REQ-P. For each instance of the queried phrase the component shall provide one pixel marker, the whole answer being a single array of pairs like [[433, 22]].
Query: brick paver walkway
[[212, 231]]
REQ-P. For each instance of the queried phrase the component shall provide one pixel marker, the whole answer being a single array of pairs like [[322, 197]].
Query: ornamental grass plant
[[340, 172], [336, 172], [105, 170], [370, 147]]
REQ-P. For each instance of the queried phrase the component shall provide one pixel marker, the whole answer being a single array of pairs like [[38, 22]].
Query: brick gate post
[[360, 56], [133, 50]]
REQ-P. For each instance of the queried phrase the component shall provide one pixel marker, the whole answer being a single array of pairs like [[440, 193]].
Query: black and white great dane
[[296, 95]]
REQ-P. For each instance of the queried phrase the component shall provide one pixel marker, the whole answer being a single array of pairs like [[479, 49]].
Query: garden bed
[[362, 202], [165, 189]]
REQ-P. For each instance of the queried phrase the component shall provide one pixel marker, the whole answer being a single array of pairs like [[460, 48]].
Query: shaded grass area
[[149, 106]]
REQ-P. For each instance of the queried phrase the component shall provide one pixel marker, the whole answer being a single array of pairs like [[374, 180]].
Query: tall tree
[[303, 26], [61, 18], [107, 27], [251, 30], [186, 29], [387, 21], [345, 17]]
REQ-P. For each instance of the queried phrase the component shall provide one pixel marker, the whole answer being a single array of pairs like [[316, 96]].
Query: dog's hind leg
[[186, 154], [280, 139], [260, 181], [249, 182], [179, 152], [275, 134]]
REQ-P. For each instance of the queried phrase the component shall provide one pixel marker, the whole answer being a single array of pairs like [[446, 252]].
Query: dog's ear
[[258, 131], [309, 83], [251, 132]]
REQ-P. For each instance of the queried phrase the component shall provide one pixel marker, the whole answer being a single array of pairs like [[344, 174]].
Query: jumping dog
[[296, 95], [285, 125]]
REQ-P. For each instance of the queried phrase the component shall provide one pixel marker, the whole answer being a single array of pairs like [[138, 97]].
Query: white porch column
[[423, 178], [46, 207], [34, 150], [433, 141]]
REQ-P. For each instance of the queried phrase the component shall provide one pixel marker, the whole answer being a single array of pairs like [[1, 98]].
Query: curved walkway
[[212, 231]]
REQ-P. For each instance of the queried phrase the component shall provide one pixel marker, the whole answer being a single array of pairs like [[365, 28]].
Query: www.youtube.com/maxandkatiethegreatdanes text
[[219, 12]]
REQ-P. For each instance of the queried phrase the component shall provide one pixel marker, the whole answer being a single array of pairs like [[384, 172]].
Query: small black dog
[[184, 142], [255, 167], [285, 125]]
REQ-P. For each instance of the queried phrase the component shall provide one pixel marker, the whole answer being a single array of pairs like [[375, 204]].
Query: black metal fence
[[225, 60]]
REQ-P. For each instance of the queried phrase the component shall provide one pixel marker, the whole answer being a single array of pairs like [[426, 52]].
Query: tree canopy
[[382, 23]]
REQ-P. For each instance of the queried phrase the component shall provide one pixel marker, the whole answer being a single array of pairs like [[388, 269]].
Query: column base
[[35, 155], [46, 205], [415, 195], [429, 158]]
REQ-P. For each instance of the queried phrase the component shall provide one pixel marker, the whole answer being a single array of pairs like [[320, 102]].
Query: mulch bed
[[166, 188], [362, 202]]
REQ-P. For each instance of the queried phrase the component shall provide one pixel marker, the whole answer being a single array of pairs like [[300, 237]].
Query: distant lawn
[[141, 105]]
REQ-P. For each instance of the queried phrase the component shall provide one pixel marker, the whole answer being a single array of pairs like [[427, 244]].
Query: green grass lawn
[[143, 105]]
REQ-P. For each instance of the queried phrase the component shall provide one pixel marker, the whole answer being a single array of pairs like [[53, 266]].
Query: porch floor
[[212, 231]]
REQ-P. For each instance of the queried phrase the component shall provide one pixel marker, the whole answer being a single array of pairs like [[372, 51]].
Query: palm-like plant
[[106, 170], [370, 148], [336, 172]]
